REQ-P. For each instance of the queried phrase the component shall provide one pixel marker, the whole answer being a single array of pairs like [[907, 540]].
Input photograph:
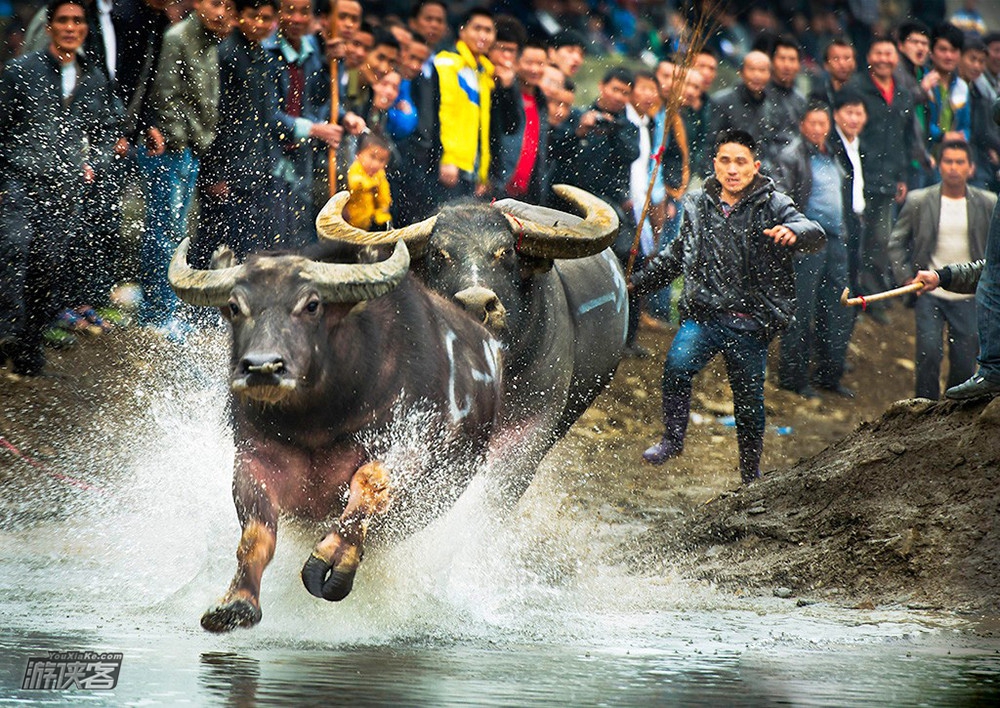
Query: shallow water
[[471, 611]]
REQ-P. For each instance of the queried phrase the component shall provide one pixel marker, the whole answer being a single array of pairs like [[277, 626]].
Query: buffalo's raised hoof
[[230, 615], [323, 580]]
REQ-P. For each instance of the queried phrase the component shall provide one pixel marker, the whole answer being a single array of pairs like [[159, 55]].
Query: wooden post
[[331, 159]]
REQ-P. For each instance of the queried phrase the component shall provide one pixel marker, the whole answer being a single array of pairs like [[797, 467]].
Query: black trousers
[[40, 247]]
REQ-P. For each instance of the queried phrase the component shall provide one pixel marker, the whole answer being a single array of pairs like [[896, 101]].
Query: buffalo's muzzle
[[262, 377], [261, 365], [483, 304]]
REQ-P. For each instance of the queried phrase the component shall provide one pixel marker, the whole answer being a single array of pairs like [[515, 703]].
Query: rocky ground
[[863, 502]]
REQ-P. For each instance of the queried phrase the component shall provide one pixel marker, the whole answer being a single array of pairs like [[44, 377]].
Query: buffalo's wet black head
[[281, 323], [277, 320], [472, 257]]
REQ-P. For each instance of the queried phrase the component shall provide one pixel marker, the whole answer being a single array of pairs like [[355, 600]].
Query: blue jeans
[[988, 304], [745, 354], [821, 327], [169, 189]]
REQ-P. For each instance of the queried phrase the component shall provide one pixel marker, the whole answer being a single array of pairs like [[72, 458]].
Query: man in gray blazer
[[938, 225]]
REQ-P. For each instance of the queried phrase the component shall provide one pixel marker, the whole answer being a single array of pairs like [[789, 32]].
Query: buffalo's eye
[[234, 308], [312, 306]]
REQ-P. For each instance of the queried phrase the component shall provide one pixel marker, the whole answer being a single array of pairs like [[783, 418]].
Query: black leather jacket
[[730, 266], [962, 277]]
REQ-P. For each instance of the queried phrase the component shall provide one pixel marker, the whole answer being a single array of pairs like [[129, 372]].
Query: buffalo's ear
[[223, 257], [531, 266]]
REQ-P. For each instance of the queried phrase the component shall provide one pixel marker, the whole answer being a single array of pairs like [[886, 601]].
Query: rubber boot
[[676, 409], [750, 451]]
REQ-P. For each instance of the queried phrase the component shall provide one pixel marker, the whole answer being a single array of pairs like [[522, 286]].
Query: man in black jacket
[[608, 145], [520, 130], [748, 106], [239, 192], [735, 250], [789, 104], [57, 130]]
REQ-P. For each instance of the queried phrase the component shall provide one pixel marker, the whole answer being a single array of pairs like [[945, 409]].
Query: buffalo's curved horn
[[354, 282], [548, 233], [330, 225], [206, 288]]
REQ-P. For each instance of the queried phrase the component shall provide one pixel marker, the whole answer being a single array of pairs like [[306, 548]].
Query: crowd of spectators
[[229, 105]]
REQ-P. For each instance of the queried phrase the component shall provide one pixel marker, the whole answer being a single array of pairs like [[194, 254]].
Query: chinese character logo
[[88, 671]]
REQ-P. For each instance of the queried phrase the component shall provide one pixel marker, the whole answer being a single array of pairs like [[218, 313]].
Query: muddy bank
[[903, 511]]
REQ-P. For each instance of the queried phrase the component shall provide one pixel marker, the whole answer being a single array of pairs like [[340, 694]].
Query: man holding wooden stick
[[945, 223]]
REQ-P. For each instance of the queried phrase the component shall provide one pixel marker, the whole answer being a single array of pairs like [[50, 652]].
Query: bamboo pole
[[331, 153], [696, 41]]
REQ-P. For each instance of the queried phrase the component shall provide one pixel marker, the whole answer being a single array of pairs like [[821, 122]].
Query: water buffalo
[[327, 359], [546, 283]]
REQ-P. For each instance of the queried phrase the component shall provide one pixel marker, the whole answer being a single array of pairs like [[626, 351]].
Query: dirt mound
[[902, 511]]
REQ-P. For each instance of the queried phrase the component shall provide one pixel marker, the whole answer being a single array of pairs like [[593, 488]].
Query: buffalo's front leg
[[329, 572], [240, 606]]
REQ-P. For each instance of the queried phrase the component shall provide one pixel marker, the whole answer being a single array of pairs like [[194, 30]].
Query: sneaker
[[72, 321], [91, 315], [976, 387], [58, 338], [114, 316]]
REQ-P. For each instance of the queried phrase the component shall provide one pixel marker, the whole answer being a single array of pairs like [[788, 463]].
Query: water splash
[[159, 550]]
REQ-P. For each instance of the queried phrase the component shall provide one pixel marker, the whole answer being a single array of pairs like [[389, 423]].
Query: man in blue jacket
[[735, 250]]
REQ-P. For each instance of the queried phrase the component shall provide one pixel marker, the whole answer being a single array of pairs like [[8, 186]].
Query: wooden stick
[[863, 300], [331, 154]]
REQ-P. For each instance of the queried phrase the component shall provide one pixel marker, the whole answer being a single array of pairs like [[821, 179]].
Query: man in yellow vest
[[464, 85]]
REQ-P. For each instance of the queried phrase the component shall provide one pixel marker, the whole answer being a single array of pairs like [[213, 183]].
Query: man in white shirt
[[938, 225], [849, 118], [643, 100]]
